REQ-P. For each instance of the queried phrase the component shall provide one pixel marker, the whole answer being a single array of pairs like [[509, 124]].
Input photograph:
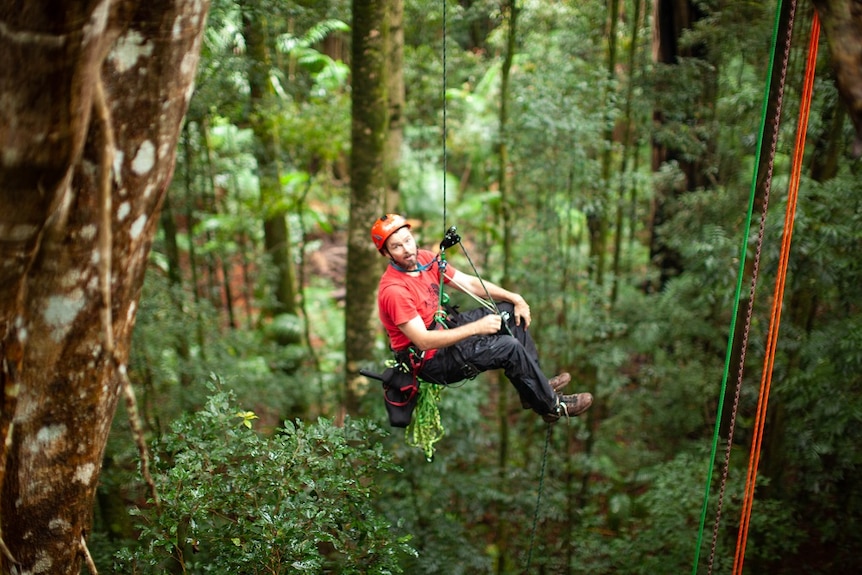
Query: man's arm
[[426, 339], [472, 284]]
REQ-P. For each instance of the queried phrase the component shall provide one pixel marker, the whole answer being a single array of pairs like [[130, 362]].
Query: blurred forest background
[[599, 161]]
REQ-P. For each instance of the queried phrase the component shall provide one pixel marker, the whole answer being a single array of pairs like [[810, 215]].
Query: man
[[463, 344]]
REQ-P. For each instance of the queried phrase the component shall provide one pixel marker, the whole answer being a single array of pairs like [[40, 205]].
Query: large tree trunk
[[367, 189], [76, 78], [842, 26], [672, 18]]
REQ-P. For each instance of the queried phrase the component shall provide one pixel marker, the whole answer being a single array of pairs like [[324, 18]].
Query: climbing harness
[[412, 401]]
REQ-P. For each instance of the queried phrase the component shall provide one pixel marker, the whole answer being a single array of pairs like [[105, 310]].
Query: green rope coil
[[426, 428]]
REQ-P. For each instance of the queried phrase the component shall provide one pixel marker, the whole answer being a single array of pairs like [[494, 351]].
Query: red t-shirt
[[401, 297]]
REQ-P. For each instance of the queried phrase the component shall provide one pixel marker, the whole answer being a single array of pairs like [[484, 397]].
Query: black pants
[[515, 354]]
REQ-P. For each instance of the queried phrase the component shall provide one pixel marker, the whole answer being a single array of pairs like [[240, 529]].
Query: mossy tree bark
[[367, 190], [92, 96]]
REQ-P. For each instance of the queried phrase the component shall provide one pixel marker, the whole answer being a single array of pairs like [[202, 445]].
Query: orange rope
[[775, 320]]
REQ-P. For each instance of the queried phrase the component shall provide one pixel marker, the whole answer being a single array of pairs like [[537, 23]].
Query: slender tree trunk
[[507, 201], [597, 218], [312, 352], [367, 190], [172, 250], [169, 229], [275, 229], [189, 199], [217, 207], [395, 135], [672, 18], [828, 149], [630, 148], [98, 91], [245, 245], [193, 257]]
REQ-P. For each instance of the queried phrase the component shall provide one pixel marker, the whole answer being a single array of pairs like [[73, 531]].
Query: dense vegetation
[[258, 468]]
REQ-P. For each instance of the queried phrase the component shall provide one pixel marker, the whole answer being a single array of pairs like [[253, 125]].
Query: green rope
[[442, 296], [538, 498], [426, 428], [742, 262]]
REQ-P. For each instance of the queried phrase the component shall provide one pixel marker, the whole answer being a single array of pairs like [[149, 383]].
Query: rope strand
[[757, 256], [538, 498], [740, 275], [445, 129], [778, 297]]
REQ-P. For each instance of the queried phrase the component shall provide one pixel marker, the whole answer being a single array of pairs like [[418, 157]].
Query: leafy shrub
[[285, 329], [235, 501]]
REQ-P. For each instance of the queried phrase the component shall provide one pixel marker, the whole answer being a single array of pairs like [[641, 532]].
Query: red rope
[[775, 319]]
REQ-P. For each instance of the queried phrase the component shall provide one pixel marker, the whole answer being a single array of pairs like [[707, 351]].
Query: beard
[[409, 261]]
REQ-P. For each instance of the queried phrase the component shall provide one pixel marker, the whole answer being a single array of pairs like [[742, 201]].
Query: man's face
[[402, 249]]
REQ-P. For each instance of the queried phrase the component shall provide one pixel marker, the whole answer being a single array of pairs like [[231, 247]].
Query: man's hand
[[425, 339], [488, 324], [522, 313]]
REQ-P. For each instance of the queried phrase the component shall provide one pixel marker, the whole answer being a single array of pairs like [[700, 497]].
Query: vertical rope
[[778, 297], [740, 275], [538, 499], [445, 129], [767, 192]]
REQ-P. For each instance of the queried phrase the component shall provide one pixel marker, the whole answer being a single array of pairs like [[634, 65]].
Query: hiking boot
[[570, 406], [557, 383]]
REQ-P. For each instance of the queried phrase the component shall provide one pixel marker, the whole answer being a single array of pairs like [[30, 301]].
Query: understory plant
[[234, 500]]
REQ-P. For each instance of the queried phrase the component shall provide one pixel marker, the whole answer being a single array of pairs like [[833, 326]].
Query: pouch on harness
[[400, 392]]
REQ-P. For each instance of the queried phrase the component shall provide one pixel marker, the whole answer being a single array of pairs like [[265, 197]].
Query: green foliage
[[178, 342], [425, 428], [557, 117], [284, 329], [317, 33], [422, 186], [298, 501], [622, 486]]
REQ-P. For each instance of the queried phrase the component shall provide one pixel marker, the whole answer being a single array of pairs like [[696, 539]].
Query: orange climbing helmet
[[384, 227]]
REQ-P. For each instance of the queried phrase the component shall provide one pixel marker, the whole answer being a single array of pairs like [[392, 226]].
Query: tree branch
[[5, 550], [138, 433], [103, 114], [105, 229], [10, 367], [88, 559]]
